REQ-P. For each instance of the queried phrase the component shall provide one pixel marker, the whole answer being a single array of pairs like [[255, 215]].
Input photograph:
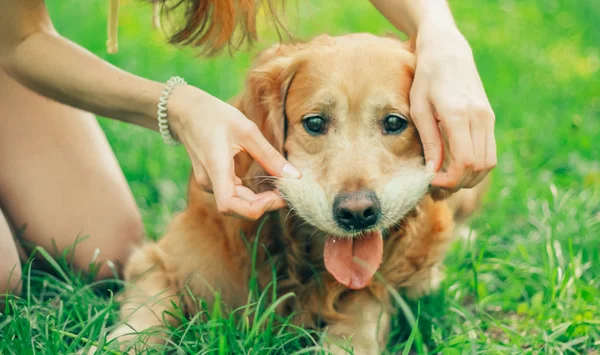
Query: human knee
[[130, 232], [10, 264], [115, 245]]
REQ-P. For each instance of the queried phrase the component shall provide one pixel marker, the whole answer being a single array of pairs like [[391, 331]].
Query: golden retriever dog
[[361, 220]]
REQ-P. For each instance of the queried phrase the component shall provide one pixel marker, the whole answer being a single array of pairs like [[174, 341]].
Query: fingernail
[[429, 168], [289, 171]]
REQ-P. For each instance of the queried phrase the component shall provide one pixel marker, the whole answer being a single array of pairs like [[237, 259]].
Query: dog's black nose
[[357, 210]]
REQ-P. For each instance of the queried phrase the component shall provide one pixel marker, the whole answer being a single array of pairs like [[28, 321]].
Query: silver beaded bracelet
[[163, 122]]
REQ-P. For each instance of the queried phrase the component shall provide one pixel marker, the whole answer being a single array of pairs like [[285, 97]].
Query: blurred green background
[[530, 282]]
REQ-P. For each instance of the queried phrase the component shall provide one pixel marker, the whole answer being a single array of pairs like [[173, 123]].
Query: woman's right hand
[[213, 132]]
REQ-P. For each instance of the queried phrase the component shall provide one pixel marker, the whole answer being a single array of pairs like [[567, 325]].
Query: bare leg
[[60, 179], [10, 265]]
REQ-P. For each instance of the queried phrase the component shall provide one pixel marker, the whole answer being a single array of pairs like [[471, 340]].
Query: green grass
[[528, 284]]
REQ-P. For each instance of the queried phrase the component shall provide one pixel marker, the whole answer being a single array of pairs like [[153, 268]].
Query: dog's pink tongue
[[353, 262]]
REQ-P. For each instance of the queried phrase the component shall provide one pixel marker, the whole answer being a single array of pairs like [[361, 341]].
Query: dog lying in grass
[[360, 222]]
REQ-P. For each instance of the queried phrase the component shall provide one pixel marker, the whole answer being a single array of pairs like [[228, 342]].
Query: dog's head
[[338, 108]]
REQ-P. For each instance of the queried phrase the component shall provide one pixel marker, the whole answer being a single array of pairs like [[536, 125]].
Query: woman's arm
[[34, 54], [447, 97], [409, 15]]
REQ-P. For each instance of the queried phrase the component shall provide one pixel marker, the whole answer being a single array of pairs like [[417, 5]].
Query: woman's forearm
[[409, 15], [34, 54], [65, 72]]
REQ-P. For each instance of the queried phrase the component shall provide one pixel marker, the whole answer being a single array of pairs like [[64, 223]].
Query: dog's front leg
[[365, 329], [148, 301]]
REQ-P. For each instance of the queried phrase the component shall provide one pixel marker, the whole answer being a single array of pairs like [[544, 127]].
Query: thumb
[[268, 157], [427, 126]]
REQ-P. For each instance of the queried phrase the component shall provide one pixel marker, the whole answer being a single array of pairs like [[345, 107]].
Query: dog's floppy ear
[[265, 91], [263, 98]]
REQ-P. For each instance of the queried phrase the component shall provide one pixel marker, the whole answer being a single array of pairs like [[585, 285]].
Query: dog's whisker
[[287, 215], [265, 177], [312, 234]]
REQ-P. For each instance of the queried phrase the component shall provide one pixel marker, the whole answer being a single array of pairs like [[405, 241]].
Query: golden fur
[[356, 79]]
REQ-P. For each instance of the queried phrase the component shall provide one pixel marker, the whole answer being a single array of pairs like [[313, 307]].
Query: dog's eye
[[394, 124], [314, 124]]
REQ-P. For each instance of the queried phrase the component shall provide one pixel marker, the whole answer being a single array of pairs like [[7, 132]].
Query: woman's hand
[[449, 105], [213, 132]]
